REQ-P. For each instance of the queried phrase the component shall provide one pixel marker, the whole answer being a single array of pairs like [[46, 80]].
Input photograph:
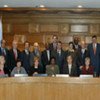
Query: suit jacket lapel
[[46, 55]]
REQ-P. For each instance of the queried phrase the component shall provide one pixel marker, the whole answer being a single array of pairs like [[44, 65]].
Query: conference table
[[49, 88]]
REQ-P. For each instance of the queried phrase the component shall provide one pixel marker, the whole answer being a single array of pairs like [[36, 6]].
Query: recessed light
[[79, 6], [5, 5], [42, 6]]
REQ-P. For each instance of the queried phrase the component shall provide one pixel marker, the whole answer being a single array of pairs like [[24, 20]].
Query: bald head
[[55, 38], [36, 45], [83, 44]]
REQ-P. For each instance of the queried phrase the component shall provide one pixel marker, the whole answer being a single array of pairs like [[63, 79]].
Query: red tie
[[15, 55]]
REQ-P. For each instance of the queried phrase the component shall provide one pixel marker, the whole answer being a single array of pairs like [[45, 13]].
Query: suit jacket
[[12, 58], [80, 61], [51, 47], [32, 55], [6, 55], [44, 59], [6, 70], [95, 58], [73, 70], [60, 60], [50, 71], [39, 70], [77, 47], [25, 58]]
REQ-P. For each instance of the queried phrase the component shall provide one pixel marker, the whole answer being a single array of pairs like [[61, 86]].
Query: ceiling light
[[42, 6], [79, 6], [5, 5]]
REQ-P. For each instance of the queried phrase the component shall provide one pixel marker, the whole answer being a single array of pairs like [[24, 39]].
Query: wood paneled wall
[[40, 27]]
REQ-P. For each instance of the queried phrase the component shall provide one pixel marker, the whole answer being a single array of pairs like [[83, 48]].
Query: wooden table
[[49, 88]]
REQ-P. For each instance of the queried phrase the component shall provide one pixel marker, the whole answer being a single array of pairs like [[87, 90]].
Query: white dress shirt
[[94, 45], [59, 52], [69, 68], [48, 54], [83, 50], [26, 51], [15, 53]]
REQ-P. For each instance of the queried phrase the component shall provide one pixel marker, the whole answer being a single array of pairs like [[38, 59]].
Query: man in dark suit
[[69, 67], [25, 57], [53, 45], [45, 57], [5, 52], [59, 54], [14, 55], [35, 53], [76, 43], [94, 53], [81, 55]]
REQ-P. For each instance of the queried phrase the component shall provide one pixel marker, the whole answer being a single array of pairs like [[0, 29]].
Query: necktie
[[48, 55], [59, 53], [82, 53], [15, 54], [37, 53], [94, 49]]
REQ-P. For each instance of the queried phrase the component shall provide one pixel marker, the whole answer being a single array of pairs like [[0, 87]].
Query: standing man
[[35, 53], [5, 52], [25, 57], [94, 53], [76, 43], [45, 57], [81, 55], [14, 55], [3, 49], [59, 55], [53, 45]]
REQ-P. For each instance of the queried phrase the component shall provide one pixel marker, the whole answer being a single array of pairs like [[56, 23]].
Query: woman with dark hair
[[18, 69], [71, 51], [52, 68], [70, 67], [71, 46], [87, 68]]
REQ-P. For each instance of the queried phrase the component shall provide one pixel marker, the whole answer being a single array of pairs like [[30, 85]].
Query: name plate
[[86, 76], [62, 75], [20, 75], [40, 75]]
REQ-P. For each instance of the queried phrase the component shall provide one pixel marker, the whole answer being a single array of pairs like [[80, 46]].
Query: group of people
[[79, 58]]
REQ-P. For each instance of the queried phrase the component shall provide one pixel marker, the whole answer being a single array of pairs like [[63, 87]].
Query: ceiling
[[51, 3]]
